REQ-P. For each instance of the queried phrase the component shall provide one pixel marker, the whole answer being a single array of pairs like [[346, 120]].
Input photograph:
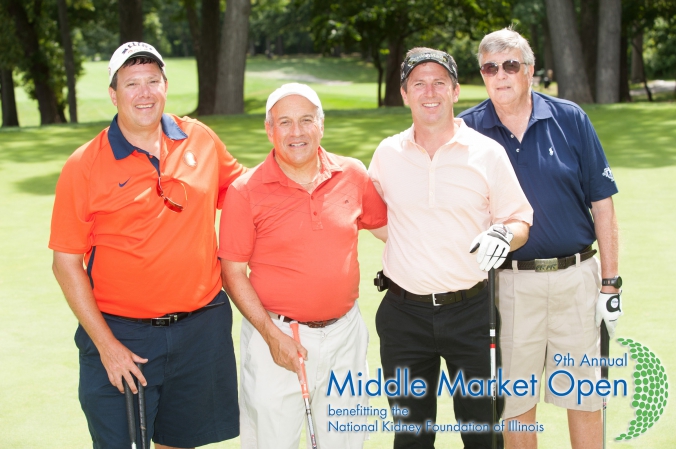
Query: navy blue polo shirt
[[561, 167]]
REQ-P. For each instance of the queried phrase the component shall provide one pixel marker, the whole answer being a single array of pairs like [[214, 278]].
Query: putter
[[131, 419], [303, 387], [142, 411], [605, 353], [492, 331]]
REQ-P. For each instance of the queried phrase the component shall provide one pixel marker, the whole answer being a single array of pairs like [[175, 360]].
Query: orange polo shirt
[[143, 259], [301, 247]]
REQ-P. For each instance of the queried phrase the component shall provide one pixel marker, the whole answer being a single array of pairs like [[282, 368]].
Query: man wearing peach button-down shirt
[[448, 190]]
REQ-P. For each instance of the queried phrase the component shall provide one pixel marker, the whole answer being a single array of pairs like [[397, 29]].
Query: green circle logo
[[651, 389]]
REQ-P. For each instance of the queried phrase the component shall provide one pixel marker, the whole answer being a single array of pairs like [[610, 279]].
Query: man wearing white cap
[[298, 216], [135, 255]]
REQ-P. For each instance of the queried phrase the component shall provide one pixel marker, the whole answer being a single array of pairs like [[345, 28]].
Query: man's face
[[140, 96], [503, 88], [430, 94], [295, 131]]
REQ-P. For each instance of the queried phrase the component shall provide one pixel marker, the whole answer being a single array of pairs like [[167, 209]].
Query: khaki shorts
[[546, 316]]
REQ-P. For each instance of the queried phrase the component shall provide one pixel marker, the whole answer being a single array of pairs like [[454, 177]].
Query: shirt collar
[[273, 173], [540, 111], [461, 136], [121, 146]]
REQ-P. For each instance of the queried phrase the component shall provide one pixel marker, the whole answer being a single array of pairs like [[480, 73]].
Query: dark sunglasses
[[172, 205], [510, 66]]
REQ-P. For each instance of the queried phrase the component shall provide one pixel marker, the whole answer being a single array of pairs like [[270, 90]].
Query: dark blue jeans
[[416, 336], [191, 397]]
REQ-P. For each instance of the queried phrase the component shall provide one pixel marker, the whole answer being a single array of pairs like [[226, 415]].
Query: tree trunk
[[393, 73], [131, 20], [232, 60], [637, 58], [69, 59], [573, 82], [9, 115], [589, 19], [625, 95], [38, 66], [608, 61], [535, 45], [548, 51], [279, 46], [377, 62]]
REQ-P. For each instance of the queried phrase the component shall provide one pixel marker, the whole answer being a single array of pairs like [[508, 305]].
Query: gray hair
[[505, 40], [319, 114]]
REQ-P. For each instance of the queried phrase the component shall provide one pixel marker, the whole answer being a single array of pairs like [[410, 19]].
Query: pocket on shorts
[[84, 344]]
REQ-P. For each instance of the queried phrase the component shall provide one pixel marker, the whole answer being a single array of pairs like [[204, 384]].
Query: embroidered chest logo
[[608, 174], [189, 159], [122, 184], [551, 152]]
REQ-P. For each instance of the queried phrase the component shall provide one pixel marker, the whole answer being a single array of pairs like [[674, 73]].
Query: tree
[[589, 33], [9, 58], [205, 38], [131, 20], [69, 59], [9, 114], [608, 59], [232, 60], [36, 60], [573, 82]]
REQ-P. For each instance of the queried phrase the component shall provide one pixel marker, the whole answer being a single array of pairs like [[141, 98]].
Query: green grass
[[38, 359]]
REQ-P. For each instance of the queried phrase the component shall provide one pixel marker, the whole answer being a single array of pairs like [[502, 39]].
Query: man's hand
[[609, 309], [120, 362], [285, 350], [493, 246]]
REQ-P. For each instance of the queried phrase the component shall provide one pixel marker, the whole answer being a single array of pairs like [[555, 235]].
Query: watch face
[[613, 282]]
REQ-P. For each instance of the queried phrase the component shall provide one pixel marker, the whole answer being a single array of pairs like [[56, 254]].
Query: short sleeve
[[374, 211], [72, 223], [229, 169], [599, 181], [237, 232]]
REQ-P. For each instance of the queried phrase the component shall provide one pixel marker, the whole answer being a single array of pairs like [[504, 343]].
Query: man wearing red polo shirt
[[135, 254], [298, 216]]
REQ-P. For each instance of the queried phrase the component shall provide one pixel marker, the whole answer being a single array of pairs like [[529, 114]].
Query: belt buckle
[[546, 265], [434, 300], [163, 321]]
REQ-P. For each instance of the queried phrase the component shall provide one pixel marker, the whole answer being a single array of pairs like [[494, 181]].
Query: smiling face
[[295, 131], [430, 94], [140, 97], [505, 89]]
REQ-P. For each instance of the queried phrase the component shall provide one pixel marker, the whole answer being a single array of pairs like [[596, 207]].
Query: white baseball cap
[[294, 89], [133, 49]]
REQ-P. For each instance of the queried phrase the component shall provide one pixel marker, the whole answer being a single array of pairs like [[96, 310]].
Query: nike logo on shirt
[[122, 184]]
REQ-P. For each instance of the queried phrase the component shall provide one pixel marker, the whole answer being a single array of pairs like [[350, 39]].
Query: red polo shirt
[[143, 259], [301, 247]]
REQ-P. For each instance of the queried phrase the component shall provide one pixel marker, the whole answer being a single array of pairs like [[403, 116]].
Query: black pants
[[416, 335]]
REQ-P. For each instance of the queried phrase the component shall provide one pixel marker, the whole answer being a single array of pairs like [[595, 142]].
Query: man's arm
[[520, 230], [284, 349], [605, 226], [118, 361], [380, 233]]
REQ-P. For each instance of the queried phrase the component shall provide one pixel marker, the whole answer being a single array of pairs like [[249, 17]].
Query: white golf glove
[[493, 246], [609, 309]]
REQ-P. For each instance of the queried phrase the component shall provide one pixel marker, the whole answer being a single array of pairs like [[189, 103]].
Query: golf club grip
[[142, 411], [131, 418], [605, 348], [303, 373]]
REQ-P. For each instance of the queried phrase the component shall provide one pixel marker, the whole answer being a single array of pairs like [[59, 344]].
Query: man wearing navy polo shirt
[[551, 295]]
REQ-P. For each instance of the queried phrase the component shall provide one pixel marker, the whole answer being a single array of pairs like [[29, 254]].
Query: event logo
[[651, 389]]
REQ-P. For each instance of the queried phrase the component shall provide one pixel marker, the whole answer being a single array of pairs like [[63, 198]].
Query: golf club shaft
[[605, 353], [142, 411], [131, 419], [493, 341], [304, 389]]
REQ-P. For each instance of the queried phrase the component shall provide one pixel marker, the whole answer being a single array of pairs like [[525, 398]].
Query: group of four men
[[139, 202]]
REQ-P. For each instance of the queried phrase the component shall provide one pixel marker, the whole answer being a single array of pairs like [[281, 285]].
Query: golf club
[[303, 387], [492, 331], [142, 411], [131, 420], [605, 353]]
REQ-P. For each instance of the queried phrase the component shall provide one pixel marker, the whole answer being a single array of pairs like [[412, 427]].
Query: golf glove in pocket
[[493, 246], [609, 309]]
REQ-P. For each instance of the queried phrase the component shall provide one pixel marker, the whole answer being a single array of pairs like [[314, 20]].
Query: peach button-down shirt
[[437, 206]]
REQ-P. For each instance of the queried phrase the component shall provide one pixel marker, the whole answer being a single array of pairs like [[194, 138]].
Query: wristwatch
[[612, 282]]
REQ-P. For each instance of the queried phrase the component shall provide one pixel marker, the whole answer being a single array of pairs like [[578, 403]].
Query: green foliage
[[660, 50]]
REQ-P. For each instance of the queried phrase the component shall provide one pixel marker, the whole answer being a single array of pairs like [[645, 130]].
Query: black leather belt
[[169, 318], [438, 299], [554, 264], [311, 324]]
